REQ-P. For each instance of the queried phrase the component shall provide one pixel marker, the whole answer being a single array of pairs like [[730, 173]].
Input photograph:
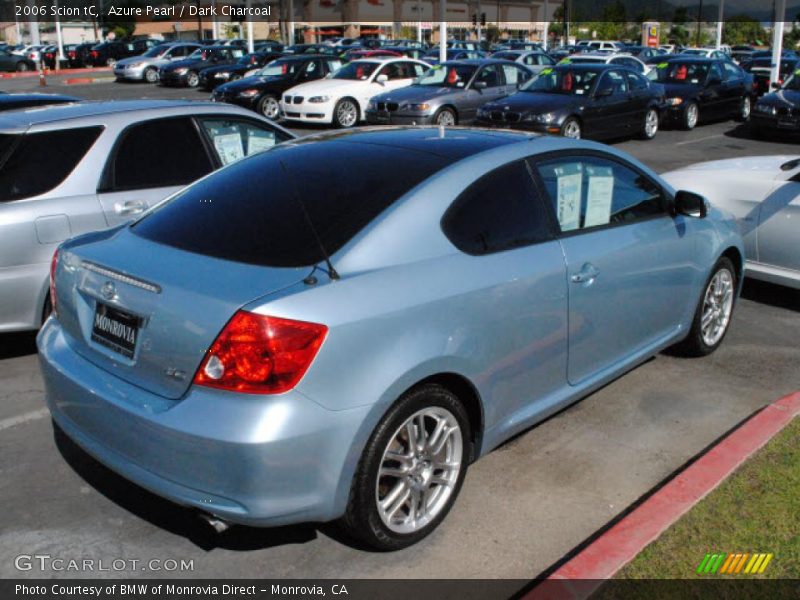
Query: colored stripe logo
[[737, 563]]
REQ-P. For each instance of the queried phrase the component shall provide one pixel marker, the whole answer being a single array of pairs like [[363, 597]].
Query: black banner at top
[[429, 12]]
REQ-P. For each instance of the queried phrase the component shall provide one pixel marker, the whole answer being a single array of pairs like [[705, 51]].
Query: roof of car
[[453, 143], [595, 64], [479, 61], [689, 58], [20, 120]]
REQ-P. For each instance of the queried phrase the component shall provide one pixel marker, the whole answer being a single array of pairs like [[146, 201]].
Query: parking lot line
[[702, 139], [23, 418]]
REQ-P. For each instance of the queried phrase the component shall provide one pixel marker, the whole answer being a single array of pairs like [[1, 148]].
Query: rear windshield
[[249, 212], [34, 163]]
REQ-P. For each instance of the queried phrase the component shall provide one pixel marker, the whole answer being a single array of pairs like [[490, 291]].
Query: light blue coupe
[[337, 327]]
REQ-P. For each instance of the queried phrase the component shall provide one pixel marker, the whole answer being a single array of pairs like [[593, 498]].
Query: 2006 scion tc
[[309, 335]]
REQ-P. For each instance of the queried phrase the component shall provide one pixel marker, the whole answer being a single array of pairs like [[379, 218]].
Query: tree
[[742, 29]]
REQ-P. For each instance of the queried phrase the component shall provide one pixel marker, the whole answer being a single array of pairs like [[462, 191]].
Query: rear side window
[[249, 211], [500, 211], [35, 163], [160, 153], [234, 139]]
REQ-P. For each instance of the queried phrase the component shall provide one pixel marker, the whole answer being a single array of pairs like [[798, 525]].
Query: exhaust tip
[[217, 524]]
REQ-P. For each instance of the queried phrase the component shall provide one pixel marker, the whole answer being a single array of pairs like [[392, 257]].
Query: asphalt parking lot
[[523, 507]]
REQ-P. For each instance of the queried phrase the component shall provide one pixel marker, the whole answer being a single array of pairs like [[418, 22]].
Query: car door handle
[[131, 207], [587, 274]]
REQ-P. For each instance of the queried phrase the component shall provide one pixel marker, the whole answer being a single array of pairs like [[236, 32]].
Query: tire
[[269, 107], [572, 129], [690, 117], [151, 75], [407, 484], [445, 117], [745, 108], [651, 122], [700, 342], [192, 79], [22, 66], [345, 113], [47, 309]]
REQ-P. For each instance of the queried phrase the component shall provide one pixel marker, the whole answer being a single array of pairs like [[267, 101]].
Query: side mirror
[[603, 92], [480, 85], [382, 78], [775, 85], [690, 204]]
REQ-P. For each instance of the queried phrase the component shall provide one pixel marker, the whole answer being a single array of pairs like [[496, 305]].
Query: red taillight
[[257, 354], [71, 54], [94, 53], [53, 268]]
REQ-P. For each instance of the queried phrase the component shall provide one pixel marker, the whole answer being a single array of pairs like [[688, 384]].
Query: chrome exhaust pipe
[[217, 524]]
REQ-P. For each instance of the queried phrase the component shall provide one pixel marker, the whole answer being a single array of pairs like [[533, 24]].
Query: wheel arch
[[734, 254], [450, 107]]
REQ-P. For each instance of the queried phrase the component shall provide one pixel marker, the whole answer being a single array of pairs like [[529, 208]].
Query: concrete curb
[[616, 547], [51, 73], [87, 80]]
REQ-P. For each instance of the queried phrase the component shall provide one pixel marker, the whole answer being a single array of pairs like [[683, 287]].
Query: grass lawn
[[757, 509]]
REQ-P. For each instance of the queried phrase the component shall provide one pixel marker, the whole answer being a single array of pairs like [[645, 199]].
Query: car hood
[[535, 102], [329, 85], [681, 90], [154, 60], [256, 81], [782, 98], [415, 93]]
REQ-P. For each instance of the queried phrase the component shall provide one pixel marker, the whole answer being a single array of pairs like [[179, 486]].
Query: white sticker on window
[[229, 147], [598, 196], [568, 192], [258, 141]]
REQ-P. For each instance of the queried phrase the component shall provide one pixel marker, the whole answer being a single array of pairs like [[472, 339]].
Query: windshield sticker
[[565, 61], [546, 71], [436, 67], [662, 65], [258, 141], [599, 195], [568, 194]]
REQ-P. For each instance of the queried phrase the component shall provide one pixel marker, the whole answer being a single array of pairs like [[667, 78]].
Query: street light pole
[[777, 41], [442, 32], [719, 23]]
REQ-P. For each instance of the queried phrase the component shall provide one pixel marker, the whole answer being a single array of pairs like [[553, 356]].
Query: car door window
[[500, 211], [393, 71], [589, 191], [159, 153], [234, 139], [714, 73], [512, 75], [636, 83], [312, 70], [490, 75], [732, 72], [614, 81], [334, 65]]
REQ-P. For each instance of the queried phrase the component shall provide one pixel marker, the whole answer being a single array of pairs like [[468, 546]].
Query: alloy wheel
[[192, 79], [347, 114], [746, 107], [717, 307], [446, 118], [270, 107], [572, 130], [691, 116], [151, 75], [651, 124], [419, 470]]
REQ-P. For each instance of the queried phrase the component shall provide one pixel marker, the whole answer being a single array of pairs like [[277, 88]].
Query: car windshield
[[695, 52], [198, 54], [680, 72], [280, 68], [357, 70], [562, 81], [454, 76], [156, 51]]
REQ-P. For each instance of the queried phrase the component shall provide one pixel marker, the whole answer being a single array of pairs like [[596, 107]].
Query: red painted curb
[[85, 80], [624, 540], [51, 73]]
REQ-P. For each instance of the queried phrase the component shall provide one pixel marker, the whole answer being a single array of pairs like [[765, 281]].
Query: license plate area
[[116, 329]]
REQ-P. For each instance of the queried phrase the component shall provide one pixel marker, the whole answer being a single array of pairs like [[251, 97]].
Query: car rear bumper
[[253, 460]]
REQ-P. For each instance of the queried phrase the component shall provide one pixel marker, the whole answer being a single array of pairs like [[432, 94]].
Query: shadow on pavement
[[14, 345], [176, 519], [772, 294]]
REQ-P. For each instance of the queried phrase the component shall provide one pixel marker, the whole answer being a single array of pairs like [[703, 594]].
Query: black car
[[643, 52], [15, 62], [704, 88], [747, 62], [779, 111], [15, 101], [186, 72], [262, 92], [78, 57], [214, 76], [761, 70], [586, 100], [108, 53], [49, 55], [312, 49]]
